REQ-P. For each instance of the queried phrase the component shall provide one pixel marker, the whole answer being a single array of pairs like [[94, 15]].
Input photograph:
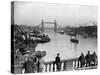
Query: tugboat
[[44, 39], [61, 32], [74, 40], [40, 38]]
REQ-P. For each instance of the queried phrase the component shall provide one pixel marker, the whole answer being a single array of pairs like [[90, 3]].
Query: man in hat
[[58, 62], [40, 64], [94, 59], [88, 59], [81, 60], [30, 65]]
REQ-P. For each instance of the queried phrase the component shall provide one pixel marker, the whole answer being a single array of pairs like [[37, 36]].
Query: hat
[[58, 54]]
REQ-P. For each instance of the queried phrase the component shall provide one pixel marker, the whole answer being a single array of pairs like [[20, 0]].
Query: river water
[[60, 43]]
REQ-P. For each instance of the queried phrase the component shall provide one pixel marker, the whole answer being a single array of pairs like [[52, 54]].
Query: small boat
[[71, 34], [74, 40], [61, 32], [44, 39]]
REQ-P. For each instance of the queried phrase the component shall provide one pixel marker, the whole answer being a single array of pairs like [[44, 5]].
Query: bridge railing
[[69, 64]]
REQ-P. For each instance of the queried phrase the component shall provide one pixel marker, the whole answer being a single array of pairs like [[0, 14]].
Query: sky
[[30, 13]]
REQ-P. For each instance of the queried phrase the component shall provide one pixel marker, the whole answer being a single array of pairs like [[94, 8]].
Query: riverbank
[[85, 31]]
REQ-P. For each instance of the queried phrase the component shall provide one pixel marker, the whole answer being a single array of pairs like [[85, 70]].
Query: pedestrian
[[88, 59], [27, 66], [40, 64], [94, 59], [35, 62], [58, 62], [81, 60]]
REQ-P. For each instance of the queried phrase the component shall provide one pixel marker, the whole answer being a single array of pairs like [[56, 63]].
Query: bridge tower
[[43, 22]]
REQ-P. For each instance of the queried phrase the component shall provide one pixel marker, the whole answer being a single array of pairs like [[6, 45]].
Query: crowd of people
[[33, 64], [83, 61], [88, 60], [36, 64]]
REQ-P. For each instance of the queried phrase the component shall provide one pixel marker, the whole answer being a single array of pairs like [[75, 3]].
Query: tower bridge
[[42, 25]]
